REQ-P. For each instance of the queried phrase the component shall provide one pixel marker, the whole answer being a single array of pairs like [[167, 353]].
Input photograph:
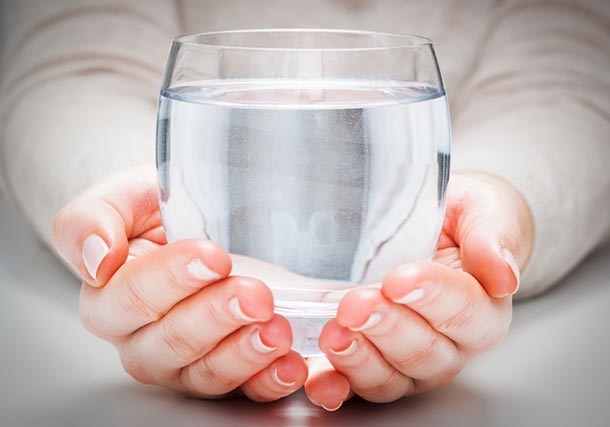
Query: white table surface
[[552, 370]]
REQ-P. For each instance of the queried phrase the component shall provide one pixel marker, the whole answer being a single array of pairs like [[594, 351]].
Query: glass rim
[[414, 41]]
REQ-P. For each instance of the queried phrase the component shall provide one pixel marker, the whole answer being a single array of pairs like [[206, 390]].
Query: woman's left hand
[[429, 318]]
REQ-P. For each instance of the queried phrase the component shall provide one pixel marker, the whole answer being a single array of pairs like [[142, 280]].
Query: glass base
[[305, 333]]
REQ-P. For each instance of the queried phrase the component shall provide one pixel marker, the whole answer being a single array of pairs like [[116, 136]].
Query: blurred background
[[78, 96]]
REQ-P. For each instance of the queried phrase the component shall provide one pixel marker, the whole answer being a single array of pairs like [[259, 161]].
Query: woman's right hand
[[171, 310]]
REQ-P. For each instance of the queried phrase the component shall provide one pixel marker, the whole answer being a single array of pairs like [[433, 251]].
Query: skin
[[184, 332]]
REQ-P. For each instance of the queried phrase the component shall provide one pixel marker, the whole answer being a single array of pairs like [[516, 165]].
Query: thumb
[[92, 232], [490, 259], [493, 233]]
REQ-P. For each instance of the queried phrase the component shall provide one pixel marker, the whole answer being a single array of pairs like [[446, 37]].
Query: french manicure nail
[[200, 271], [237, 312], [258, 343], [351, 348], [332, 409], [373, 320], [95, 250], [414, 295], [512, 263], [280, 381]]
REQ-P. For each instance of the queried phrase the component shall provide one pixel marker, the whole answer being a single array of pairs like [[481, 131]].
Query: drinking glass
[[317, 158]]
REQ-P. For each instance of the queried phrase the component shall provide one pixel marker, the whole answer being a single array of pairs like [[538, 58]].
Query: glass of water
[[317, 158]]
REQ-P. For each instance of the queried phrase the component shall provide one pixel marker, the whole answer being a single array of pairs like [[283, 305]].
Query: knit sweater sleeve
[[535, 111], [77, 99]]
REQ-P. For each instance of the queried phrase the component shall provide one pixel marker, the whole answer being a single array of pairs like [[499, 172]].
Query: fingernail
[[95, 250], [373, 320], [512, 263], [280, 381], [332, 409], [258, 343], [200, 271], [237, 312], [351, 348], [414, 295]]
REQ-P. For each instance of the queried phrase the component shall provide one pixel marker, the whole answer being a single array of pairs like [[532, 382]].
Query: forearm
[[78, 95], [536, 112], [54, 150], [563, 178]]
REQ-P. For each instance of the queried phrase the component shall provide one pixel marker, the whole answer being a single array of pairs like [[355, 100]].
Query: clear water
[[314, 186]]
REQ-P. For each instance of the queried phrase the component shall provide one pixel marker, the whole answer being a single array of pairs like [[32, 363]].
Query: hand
[[429, 318], [171, 310]]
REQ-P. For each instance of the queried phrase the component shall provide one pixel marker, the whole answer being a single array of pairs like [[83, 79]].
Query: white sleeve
[[78, 95], [536, 112]]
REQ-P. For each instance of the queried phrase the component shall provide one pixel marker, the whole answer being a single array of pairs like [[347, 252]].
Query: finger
[[325, 387], [405, 340], [155, 235], [196, 325], [91, 233], [489, 231], [143, 290], [139, 247], [452, 302], [283, 377], [493, 266], [238, 358], [369, 374]]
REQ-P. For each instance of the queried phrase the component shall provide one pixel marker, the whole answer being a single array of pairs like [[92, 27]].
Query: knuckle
[[183, 346], [209, 380], [392, 387], [449, 374], [132, 301], [239, 351], [174, 277], [260, 393], [135, 367], [423, 356], [492, 334], [394, 322], [90, 317], [491, 340], [438, 380], [92, 324], [178, 280], [216, 316], [461, 319], [60, 229]]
